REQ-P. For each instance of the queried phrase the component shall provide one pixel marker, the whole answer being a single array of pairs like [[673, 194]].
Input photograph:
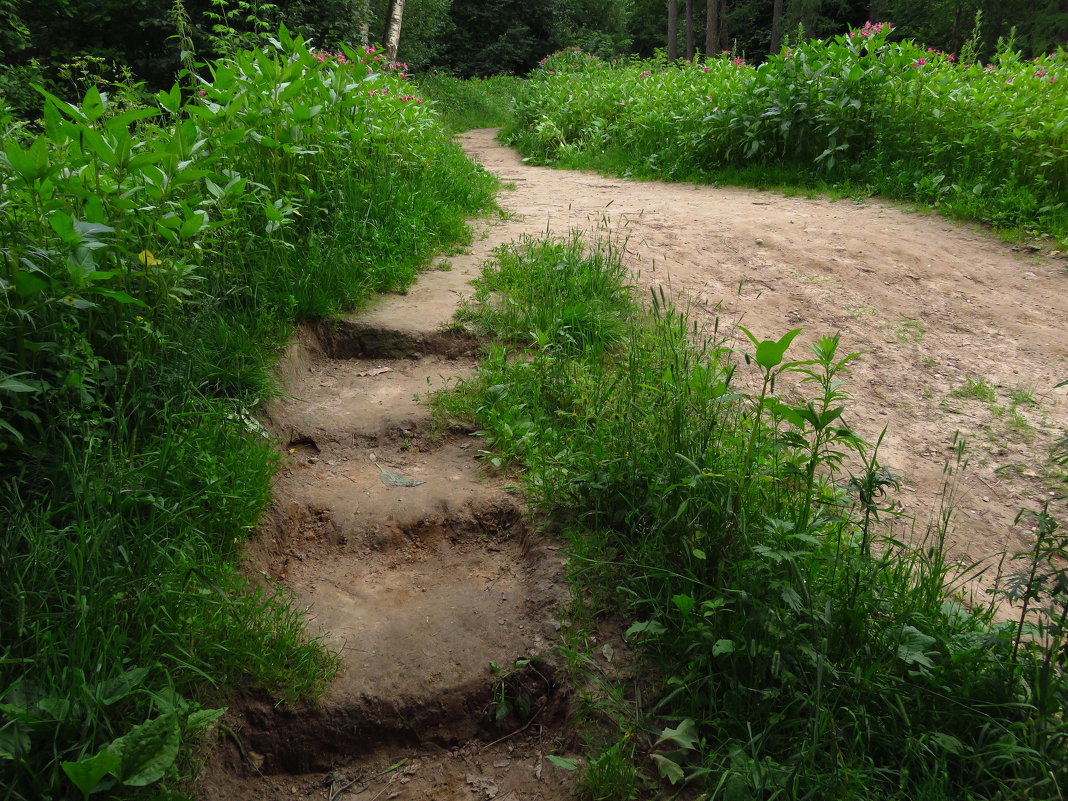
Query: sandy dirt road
[[933, 304]]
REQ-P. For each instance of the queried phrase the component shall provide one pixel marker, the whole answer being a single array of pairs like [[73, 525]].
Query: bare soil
[[931, 303], [421, 586]]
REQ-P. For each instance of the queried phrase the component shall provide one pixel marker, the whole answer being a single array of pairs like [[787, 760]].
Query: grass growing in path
[[795, 648], [474, 102]]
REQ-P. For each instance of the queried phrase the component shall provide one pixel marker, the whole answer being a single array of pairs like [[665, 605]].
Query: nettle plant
[[110, 218]]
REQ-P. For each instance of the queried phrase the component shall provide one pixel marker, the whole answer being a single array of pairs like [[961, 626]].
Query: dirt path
[[422, 586], [933, 304]]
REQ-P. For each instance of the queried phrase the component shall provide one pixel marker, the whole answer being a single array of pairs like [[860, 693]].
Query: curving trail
[[422, 571], [930, 302]]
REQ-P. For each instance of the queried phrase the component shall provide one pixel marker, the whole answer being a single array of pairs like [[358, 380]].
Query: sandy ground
[[425, 575], [932, 304]]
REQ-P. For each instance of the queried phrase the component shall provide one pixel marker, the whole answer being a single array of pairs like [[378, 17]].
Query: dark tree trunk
[[724, 32], [689, 30], [776, 26], [673, 30], [711, 27]]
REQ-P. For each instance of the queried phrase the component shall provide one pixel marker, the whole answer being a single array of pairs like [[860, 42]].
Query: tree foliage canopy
[[58, 42]]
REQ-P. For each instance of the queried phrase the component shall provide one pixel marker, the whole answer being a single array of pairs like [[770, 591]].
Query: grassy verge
[[472, 103], [858, 112], [152, 260], [793, 646]]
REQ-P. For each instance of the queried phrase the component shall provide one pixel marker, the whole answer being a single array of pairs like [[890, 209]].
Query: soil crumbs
[[424, 573]]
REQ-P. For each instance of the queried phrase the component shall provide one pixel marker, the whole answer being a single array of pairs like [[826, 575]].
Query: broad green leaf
[[723, 647], [170, 100], [668, 769], [29, 284], [769, 353], [948, 742], [118, 687], [55, 708], [563, 762], [87, 773], [119, 296], [683, 736], [193, 224], [914, 647], [11, 384], [63, 225], [202, 717], [148, 750], [684, 603], [31, 164], [93, 104], [645, 627], [14, 741]]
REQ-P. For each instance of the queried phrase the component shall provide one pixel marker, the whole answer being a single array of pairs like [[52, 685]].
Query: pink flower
[[951, 58], [871, 29], [989, 68], [739, 61], [1039, 74], [645, 75], [919, 63]]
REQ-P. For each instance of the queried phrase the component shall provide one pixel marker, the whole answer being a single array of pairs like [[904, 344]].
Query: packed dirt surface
[[932, 304], [424, 573]]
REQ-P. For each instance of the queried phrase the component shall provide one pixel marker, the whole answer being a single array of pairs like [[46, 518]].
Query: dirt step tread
[[372, 398]]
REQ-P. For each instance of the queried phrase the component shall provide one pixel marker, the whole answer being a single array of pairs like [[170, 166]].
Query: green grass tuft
[[794, 646]]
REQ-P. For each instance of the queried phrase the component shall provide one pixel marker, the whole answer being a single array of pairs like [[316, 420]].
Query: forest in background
[[62, 44]]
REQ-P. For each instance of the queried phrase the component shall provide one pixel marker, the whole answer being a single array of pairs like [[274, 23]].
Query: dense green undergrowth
[[153, 259], [474, 102], [983, 142], [798, 647]]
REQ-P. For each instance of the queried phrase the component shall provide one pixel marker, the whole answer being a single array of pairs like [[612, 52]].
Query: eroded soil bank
[[422, 570]]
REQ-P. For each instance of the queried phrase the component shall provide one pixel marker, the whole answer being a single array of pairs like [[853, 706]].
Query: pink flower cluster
[[645, 75], [373, 92], [409, 98], [918, 63], [326, 55], [739, 61], [871, 29], [398, 67]]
